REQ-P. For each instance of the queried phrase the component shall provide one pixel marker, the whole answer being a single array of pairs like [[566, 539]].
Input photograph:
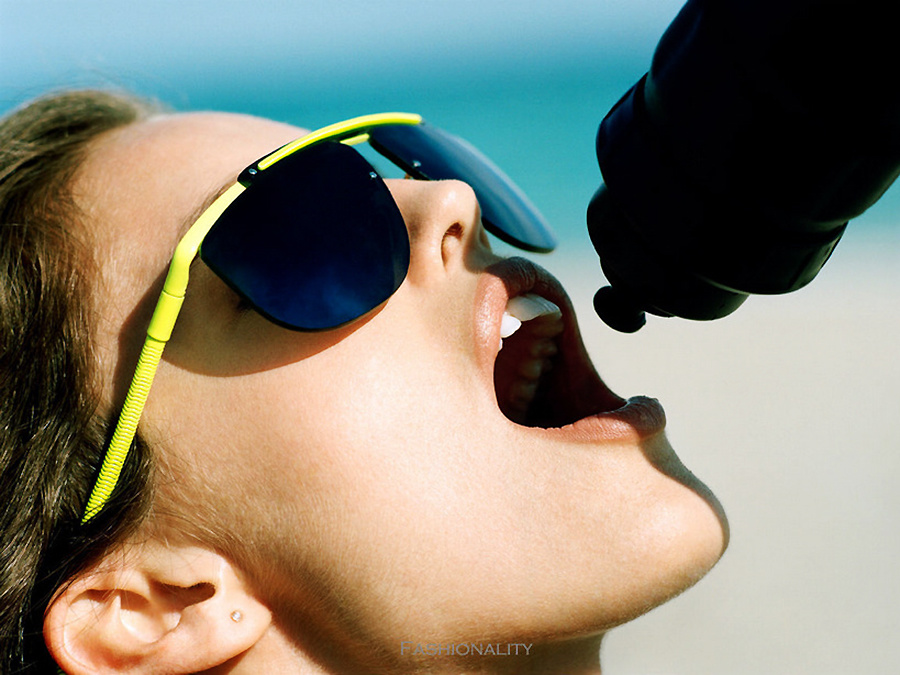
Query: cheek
[[356, 471], [369, 415]]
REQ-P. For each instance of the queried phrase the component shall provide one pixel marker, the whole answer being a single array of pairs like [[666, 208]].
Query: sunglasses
[[311, 238]]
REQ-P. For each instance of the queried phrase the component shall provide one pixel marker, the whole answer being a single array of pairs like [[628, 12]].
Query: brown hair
[[51, 437]]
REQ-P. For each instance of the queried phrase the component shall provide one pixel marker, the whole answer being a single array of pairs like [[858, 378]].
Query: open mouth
[[529, 330], [542, 374]]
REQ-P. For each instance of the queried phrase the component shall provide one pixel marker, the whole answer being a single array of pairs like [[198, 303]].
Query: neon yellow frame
[[170, 300]]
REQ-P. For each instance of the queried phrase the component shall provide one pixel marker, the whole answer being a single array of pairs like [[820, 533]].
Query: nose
[[444, 223]]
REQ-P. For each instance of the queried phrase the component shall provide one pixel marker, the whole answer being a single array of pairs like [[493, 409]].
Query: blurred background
[[787, 409]]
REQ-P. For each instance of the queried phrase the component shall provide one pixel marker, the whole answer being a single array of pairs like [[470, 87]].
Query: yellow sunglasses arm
[[158, 333]]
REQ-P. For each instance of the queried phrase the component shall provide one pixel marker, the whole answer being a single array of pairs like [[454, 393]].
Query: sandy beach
[[788, 409]]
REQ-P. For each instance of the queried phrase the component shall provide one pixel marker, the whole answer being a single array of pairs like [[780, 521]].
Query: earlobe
[[154, 608]]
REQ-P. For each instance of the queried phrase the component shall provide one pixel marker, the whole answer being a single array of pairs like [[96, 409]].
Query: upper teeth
[[525, 308]]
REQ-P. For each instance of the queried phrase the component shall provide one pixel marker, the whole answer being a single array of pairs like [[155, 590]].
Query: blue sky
[[47, 41]]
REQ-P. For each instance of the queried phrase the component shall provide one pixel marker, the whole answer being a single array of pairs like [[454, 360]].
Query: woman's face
[[367, 477]]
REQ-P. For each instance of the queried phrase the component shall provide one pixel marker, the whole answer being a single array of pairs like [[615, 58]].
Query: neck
[[570, 657], [575, 657]]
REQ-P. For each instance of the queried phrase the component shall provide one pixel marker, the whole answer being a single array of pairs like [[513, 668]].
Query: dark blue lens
[[314, 242], [427, 152]]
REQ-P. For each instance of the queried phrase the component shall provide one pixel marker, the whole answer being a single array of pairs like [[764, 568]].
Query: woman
[[393, 494]]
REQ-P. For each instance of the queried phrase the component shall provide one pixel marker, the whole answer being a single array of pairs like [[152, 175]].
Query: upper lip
[[576, 396]]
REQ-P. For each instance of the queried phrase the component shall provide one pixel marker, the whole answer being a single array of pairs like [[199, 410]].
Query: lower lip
[[638, 419]]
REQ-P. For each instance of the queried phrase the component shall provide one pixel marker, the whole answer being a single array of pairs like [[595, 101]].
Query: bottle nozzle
[[618, 311]]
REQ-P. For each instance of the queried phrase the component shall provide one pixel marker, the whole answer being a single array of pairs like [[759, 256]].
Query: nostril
[[453, 237]]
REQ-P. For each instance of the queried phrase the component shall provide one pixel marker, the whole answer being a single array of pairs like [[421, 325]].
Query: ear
[[154, 608]]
